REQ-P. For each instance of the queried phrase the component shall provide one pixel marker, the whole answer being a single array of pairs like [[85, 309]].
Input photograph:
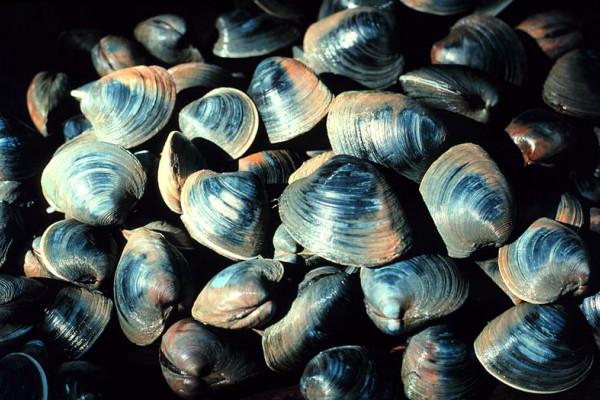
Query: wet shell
[[546, 262], [318, 316], [329, 7], [19, 298], [22, 377], [403, 296], [164, 36], [349, 372], [290, 98], [570, 211], [13, 333], [271, 166], [248, 33], [387, 128], [536, 348], [45, 93], [11, 228], [285, 9], [492, 7], [227, 212], [151, 279], [455, 88], [74, 321], [113, 53], [75, 126], [573, 84], [469, 199], [174, 234], [243, 295], [131, 105], [196, 74], [82, 380], [355, 43], [438, 364], [484, 43], [179, 159], [19, 151], [311, 165], [97, 183], [347, 213], [226, 117], [287, 250], [443, 7], [542, 136]]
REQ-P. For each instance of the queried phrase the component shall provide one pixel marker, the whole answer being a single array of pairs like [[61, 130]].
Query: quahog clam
[[20, 151], [199, 74], [113, 53], [443, 7], [45, 93], [20, 297], [329, 7], [22, 377], [272, 166]]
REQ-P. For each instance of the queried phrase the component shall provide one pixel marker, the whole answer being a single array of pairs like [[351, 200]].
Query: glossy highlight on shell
[[347, 213], [570, 211], [199, 74], [45, 93], [19, 151], [470, 201], [329, 7], [402, 296], [271, 166], [311, 165], [113, 53], [441, 7], [19, 298], [387, 128]]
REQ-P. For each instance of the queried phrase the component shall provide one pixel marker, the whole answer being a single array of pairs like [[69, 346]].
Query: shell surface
[[45, 93], [329, 7], [22, 377], [113, 53], [198, 74], [443, 7], [272, 166], [19, 151]]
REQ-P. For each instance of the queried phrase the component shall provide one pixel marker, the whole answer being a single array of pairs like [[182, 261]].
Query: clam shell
[[19, 298], [403, 296], [97, 183], [546, 262], [311, 165], [443, 7], [20, 156], [535, 348], [249, 33], [289, 97], [226, 117], [469, 200], [492, 7], [90, 381], [355, 43], [387, 128], [199, 74], [285, 9], [329, 7], [179, 159], [45, 93], [174, 234], [271, 166], [11, 228], [287, 250], [22, 377], [570, 211], [485, 43], [455, 88], [490, 267], [131, 105], [113, 53], [347, 213], [243, 295], [226, 212], [75, 126]]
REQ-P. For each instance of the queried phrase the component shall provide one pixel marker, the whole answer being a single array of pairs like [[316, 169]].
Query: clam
[[74, 321], [45, 93], [75, 126], [20, 154], [289, 97], [272, 166], [311, 165], [227, 212], [199, 74], [250, 33], [12, 333], [179, 159], [347, 213], [444, 7], [287, 250], [226, 117], [349, 372], [570, 211], [573, 84], [97, 183], [485, 43], [438, 364], [82, 380], [22, 377], [470, 201], [164, 36], [13, 192], [536, 348], [492, 7], [590, 307], [387, 128], [11, 227], [329, 7], [542, 136], [131, 105], [316, 320], [356, 43], [285, 9], [546, 262], [152, 279], [19, 299], [402, 296], [455, 88], [113, 53], [196, 362], [243, 295], [174, 234]]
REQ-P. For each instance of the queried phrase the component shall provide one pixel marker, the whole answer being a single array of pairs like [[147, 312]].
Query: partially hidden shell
[[45, 93], [443, 7], [570, 211], [11, 228], [271, 166], [22, 377], [198, 74], [469, 199], [311, 165], [19, 299], [285, 9], [20, 151], [329, 7], [113, 53]]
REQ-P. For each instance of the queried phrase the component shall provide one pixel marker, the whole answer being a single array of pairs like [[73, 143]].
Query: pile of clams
[[324, 199]]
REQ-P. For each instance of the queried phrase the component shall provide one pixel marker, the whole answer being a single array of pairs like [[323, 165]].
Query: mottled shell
[[227, 212], [22, 377], [573, 84], [403, 296], [151, 279], [290, 98], [470, 201], [271, 166], [329, 7], [74, 321], [438, 364], [356, 43], [131, 105], [536, 348], [113, 53], [387, 128], [350, 372], [97, 183], [243, 295], [484, 43], [226, 117], [570, 211], [441, 7], [45, 93], [198, 74], [178, 160], [311, 165], [455, 88], [347, 213], [546, 262], [249, 33], [164, 36]]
